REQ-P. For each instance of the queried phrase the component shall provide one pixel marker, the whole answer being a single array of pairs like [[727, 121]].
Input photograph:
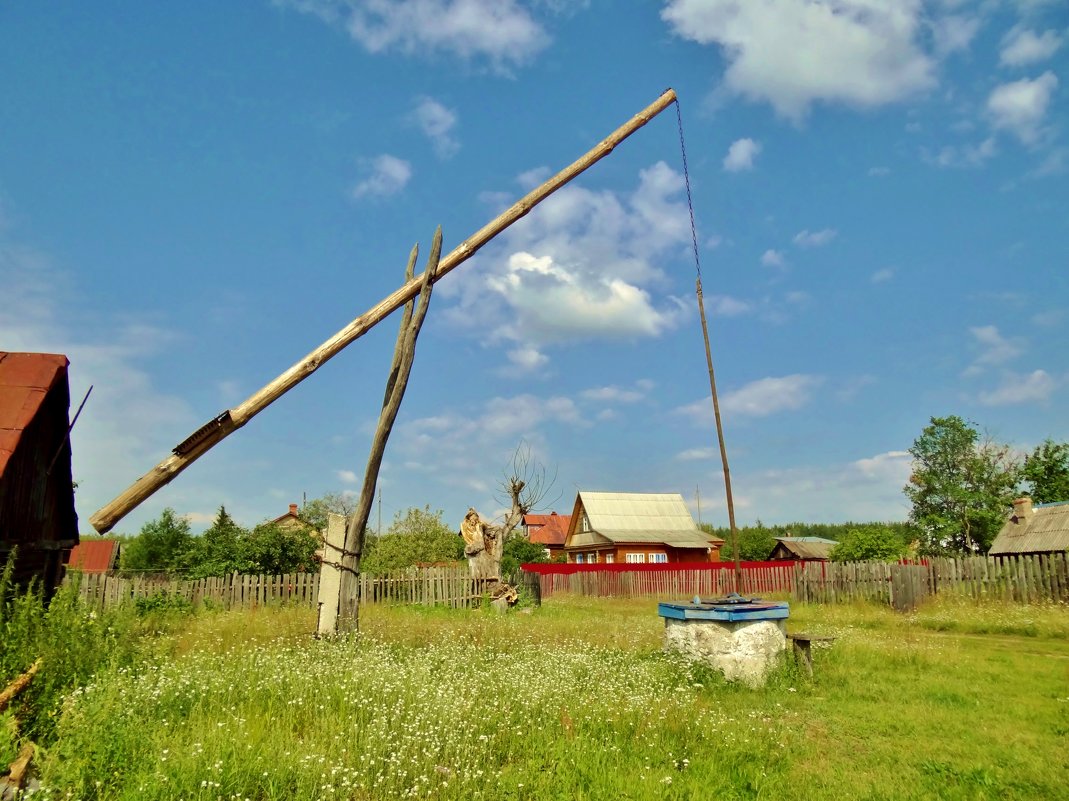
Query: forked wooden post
[[213, 432]]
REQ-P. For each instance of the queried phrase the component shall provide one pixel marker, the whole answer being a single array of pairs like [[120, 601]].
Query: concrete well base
[[743, 651]]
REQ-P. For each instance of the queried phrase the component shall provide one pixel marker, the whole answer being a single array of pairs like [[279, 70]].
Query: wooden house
[[291, 521], [637, 528], [1033, 529], [37, 516], [549, 531], [808, 549]]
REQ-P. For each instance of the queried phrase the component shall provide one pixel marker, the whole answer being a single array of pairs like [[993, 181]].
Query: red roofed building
[[549, 531], [94, 556], [37, 514]]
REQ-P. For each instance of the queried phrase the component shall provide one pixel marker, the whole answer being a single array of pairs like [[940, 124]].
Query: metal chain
[[690, 202]]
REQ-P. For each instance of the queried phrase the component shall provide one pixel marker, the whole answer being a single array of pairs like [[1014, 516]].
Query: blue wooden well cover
[[728, 609]]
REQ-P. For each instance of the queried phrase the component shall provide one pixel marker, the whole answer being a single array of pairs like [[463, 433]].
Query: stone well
[[741, 638]]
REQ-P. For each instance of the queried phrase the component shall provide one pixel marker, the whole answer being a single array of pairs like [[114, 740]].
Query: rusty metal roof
[[635, 517], [551, 529], [93, 556], [1045, 530], [25, 379], [808, 547]]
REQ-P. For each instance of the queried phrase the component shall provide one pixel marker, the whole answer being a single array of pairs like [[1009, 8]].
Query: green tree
[[418, 535], [869, 542], [163, 545], [1046, 472], [518, 551], [960, 488], [315, 511], [218, 551], [274, 550], [755, 542]]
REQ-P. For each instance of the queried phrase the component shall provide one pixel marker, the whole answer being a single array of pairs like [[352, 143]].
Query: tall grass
[[572, 700], [72, 642]]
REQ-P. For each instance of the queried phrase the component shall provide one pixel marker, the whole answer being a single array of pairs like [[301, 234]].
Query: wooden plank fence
[[1022, 579], [675, 584], [449, 586]]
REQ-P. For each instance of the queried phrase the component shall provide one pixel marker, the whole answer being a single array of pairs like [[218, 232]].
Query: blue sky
[[193, 196]]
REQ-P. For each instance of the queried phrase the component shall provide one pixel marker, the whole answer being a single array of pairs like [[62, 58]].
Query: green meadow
[[570, 700]]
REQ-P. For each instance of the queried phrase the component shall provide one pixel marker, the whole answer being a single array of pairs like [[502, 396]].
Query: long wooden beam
[[204, 438]]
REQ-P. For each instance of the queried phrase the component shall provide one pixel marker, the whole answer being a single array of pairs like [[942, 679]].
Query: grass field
[[575, 700]]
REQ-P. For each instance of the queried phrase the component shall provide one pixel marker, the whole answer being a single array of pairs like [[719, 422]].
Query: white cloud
[[892, 466], [1054, 163], [1036, 387], [878, 172], [697, 454], [882, 276], [741, 155], [793, 53], [954, 32], [770, 395], [994, 348], [501, 31], [726, 306], [527, 358], [869, 488], [347, 477], [389, 175], [963, 156], [1022, 46], [815, 239], [1048, 319], [773, 258], [1020, 106], [559, 304], [583, 265], [760, 398], [613, 394], [437, 123]]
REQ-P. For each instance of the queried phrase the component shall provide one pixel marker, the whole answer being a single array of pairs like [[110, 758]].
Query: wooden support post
[[403, 355], [206, 437]]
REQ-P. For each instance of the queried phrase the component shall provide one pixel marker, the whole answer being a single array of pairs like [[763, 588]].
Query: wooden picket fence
[[903, 586], [1022, 579], [449, 586], [674, 582]]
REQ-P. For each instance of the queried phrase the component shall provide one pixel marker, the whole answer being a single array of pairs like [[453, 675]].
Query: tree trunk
[[347, 618]]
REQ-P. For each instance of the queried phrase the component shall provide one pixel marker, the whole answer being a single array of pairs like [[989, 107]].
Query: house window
[[592, 558], [660, 558], [579, 559], [610, 558], [636, 557], [584, 523]]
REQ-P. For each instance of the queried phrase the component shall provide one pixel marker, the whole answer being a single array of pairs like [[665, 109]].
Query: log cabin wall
[[37, 515]]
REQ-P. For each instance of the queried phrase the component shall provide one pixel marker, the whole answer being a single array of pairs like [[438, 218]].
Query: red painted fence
[[677, 580]]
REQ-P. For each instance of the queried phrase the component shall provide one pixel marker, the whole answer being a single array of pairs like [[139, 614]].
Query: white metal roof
[[636, 517]]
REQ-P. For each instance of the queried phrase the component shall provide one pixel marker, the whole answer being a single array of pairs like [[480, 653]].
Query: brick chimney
[[293, 509], [1022, 509]]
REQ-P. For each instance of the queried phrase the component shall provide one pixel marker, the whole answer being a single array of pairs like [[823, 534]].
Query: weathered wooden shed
[[37, 516], [1033, 529], [804, 548]]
